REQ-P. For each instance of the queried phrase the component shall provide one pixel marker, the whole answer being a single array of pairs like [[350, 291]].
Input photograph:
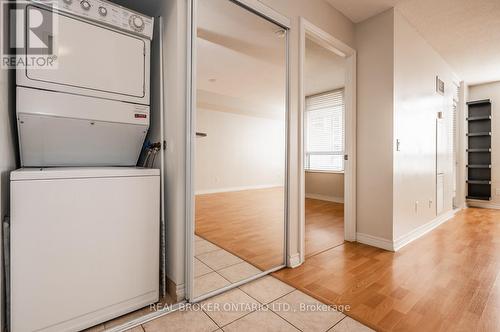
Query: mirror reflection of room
[[240, 146], [324, 135]]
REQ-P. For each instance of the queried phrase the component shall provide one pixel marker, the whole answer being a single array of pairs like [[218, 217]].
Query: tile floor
[[215, 268], [266, 304]]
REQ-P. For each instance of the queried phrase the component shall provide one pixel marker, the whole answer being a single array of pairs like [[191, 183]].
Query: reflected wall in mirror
[[240, 149]]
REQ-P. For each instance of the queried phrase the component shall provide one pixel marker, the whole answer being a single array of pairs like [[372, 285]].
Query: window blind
[[324, 136]]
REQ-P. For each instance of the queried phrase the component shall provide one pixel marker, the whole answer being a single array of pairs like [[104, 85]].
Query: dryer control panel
[[107, 13]]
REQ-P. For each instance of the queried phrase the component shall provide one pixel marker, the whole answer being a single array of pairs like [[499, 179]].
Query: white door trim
[[309, 30]]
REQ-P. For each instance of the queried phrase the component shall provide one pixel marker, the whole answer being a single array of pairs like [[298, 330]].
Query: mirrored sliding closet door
[[239, 164]]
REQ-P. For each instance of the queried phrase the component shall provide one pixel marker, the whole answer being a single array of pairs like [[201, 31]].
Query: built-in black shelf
[[480, 198], [479, 118], [479, 181], [486, 133], [477, 102], [479, 166], [479, 137], [478, 150]]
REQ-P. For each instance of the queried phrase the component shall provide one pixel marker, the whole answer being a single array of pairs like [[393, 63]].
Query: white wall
[[375, 106], [491, 91], [240, 152], [325, 186], [416, 65]]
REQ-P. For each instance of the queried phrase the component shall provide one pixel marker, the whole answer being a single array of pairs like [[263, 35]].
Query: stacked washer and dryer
[[84, 219]]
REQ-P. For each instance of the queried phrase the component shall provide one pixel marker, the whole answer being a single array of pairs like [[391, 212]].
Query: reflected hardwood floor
[[248, 224], [324, 226], [448, 280]]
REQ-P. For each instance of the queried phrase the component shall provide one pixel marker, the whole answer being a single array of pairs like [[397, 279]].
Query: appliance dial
[[103, 11], [136, 22], [85, 4]]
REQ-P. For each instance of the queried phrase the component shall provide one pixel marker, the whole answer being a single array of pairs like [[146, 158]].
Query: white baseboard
[[483, 204], [294, 260], [325, 198], [375, 241], [242, 188], [404, 240], [422, 230]]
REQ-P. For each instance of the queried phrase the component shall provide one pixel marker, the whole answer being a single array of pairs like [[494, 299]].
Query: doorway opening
[[328, 207], [324, 137]]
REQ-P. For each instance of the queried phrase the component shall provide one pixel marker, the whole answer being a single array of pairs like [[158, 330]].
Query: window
[[324, 136]]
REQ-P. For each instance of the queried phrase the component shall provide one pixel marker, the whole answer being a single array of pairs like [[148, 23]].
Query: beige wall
[[491, 91], [397, 100], [240, 152], [325, 186], [375, 103], [416, 107]]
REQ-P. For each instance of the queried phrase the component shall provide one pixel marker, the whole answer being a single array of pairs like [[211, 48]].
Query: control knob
[[85, 4], [136, 22], [103, 11]]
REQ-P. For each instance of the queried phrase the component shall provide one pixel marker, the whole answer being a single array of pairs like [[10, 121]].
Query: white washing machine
[[84, 245], [92, 107]]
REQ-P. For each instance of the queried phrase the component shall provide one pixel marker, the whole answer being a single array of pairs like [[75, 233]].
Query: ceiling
[[360, 10], [466, 33], [463, 32], [324, 70], [241, 66]]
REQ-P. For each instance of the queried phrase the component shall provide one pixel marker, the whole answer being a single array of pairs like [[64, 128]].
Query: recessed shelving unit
[[479, 150]]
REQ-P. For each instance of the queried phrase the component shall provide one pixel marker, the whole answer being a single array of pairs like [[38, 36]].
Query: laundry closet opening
[[87, 203]]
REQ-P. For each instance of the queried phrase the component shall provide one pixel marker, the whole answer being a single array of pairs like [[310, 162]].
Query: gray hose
[[6, 269]]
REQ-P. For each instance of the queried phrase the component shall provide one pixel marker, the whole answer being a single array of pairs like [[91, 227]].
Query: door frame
[[323, 38], [258, 8]]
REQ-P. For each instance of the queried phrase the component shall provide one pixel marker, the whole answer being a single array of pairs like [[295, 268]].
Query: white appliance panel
[[83, 250], [108, 13], [58, 129], [52, 141], [95, 59]]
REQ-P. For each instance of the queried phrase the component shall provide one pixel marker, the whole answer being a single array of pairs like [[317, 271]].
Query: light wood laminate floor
[[250, 224], [448, 280], [324, 225]]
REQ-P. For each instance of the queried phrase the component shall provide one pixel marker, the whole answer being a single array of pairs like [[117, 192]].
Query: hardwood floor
[[448, 280], [249, 224], [324, 225]]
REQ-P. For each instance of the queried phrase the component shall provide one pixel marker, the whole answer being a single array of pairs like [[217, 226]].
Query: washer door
[[94, 60]]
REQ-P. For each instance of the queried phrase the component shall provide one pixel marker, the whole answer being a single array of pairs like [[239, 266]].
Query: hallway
[[448, 280]]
